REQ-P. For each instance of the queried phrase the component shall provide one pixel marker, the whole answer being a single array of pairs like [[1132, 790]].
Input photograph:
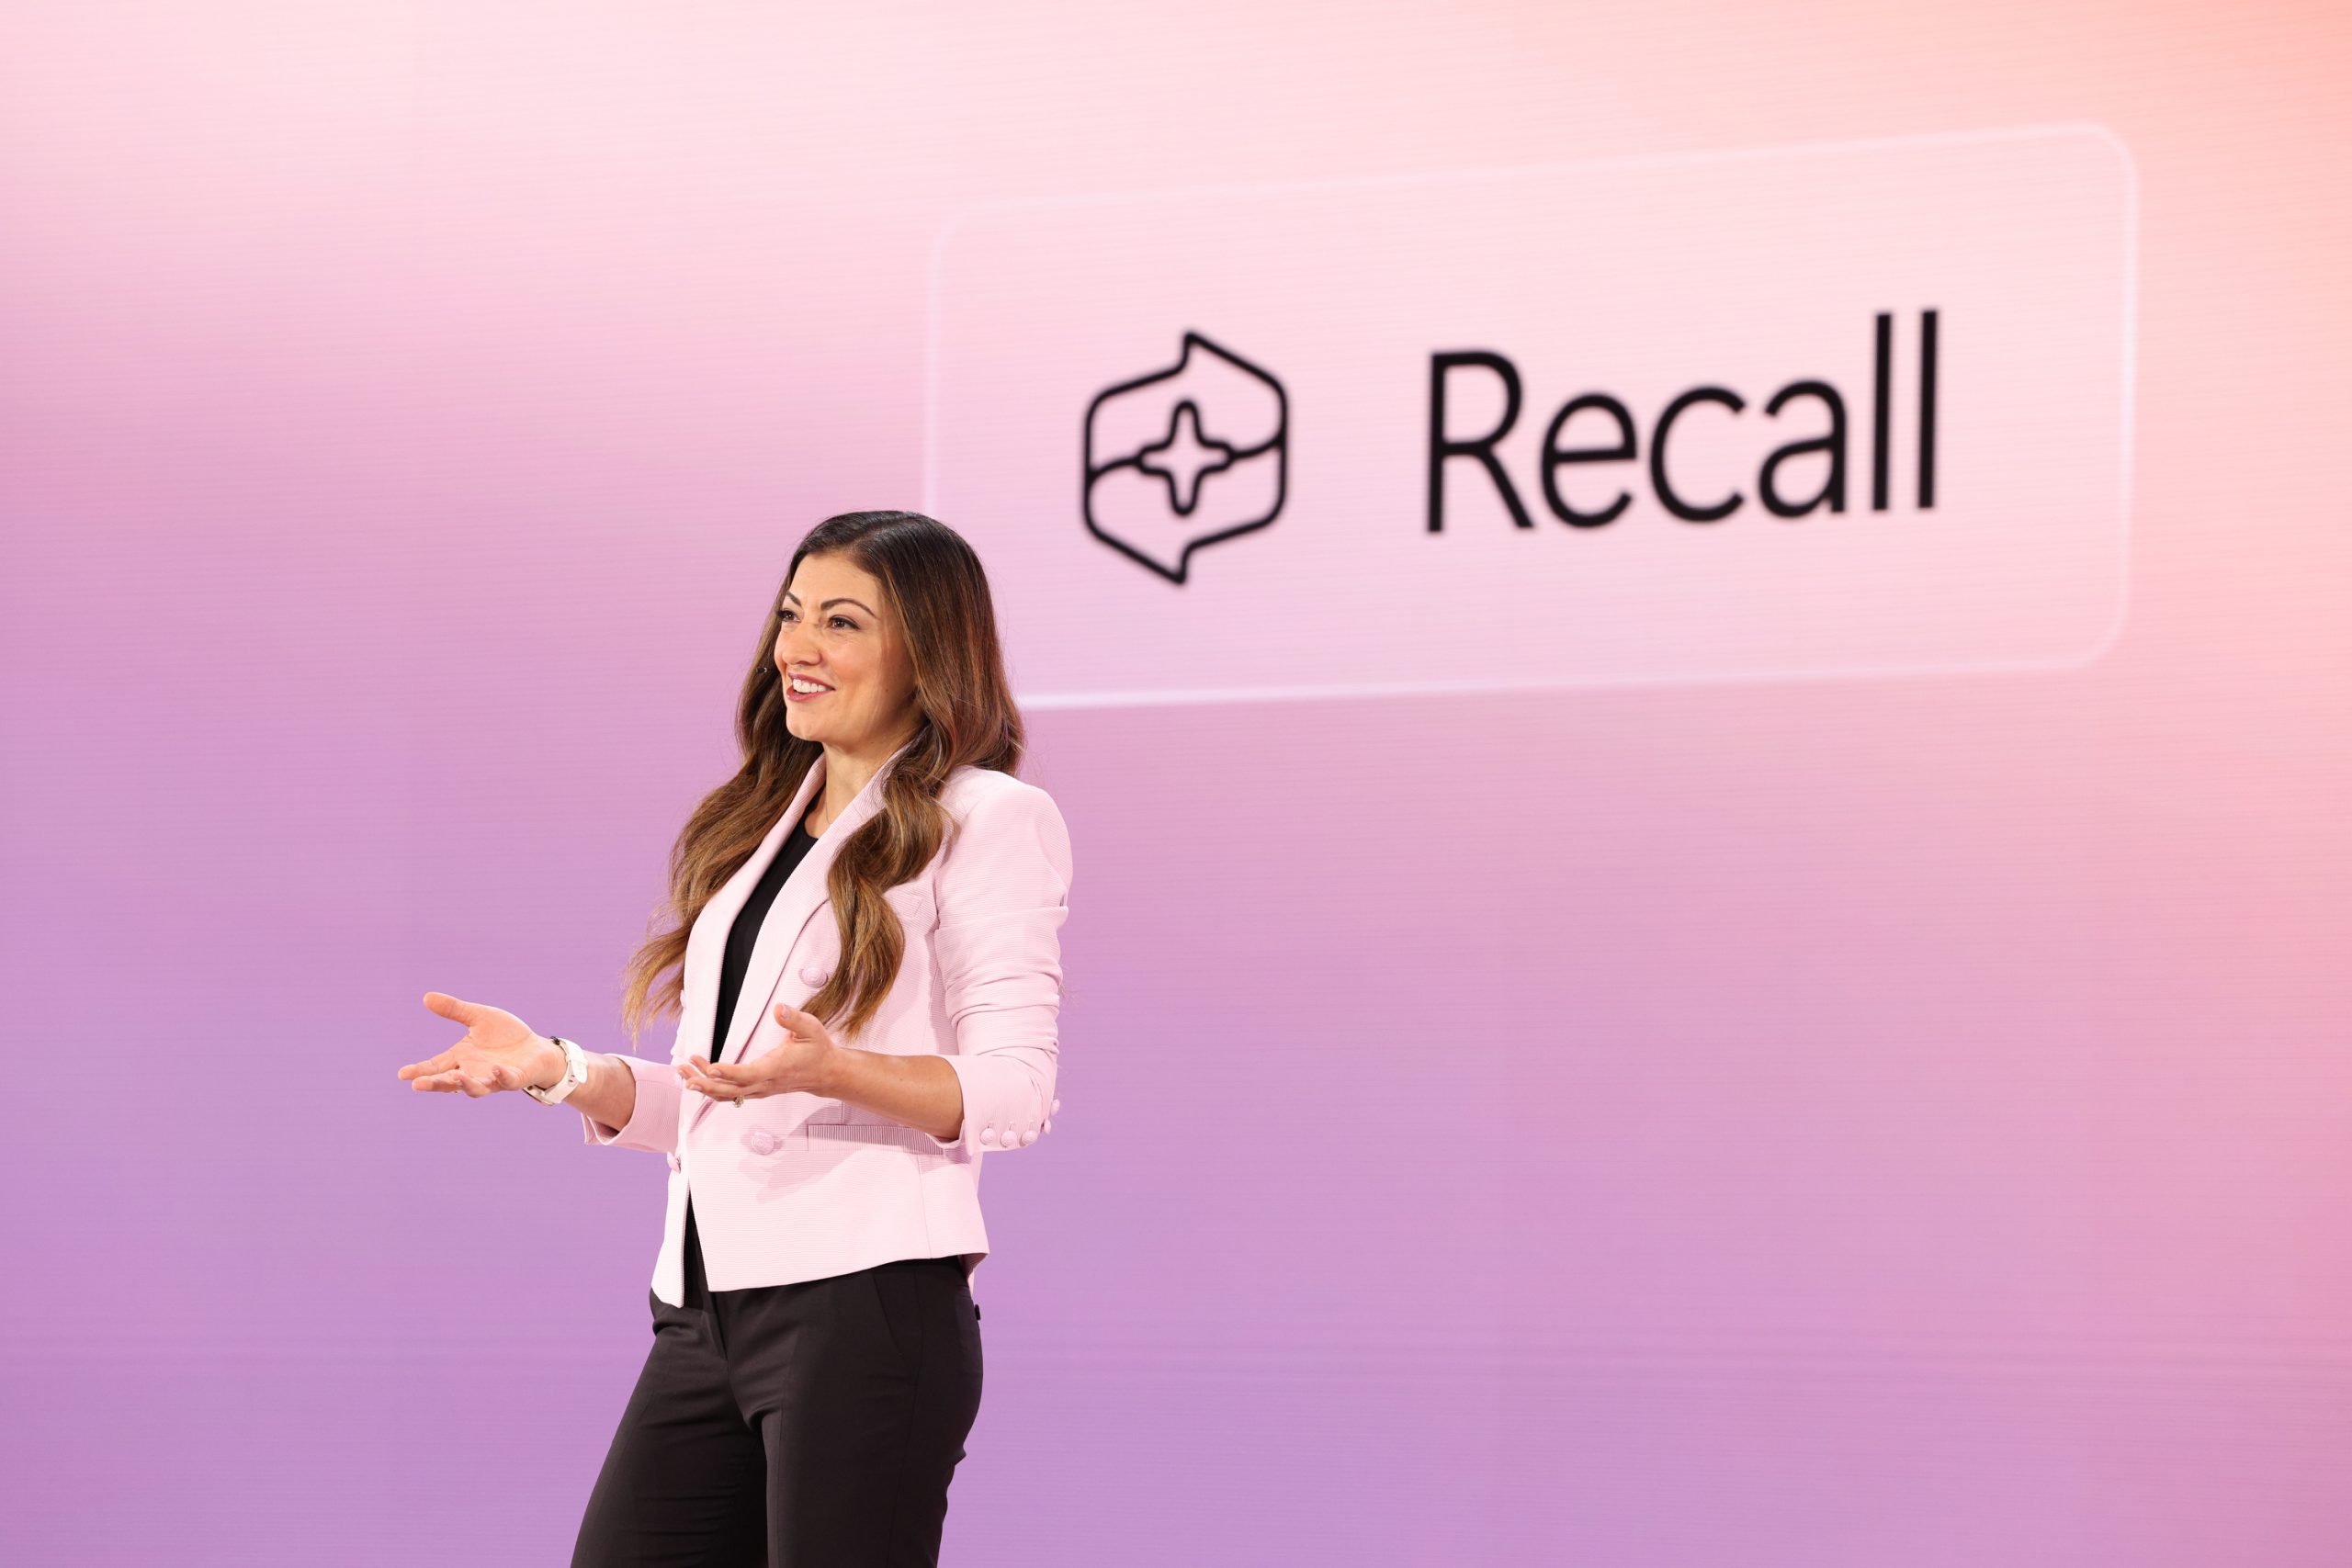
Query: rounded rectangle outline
[[2105, 643]]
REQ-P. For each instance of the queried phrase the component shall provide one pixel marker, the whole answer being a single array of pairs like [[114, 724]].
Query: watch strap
[[575, 1073]]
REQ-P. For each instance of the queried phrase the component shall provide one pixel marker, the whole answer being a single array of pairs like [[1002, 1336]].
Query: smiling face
[[834, 627]]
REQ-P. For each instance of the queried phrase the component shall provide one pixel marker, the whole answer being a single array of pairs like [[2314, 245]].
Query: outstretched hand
[[797, 1062], [499, 1052]]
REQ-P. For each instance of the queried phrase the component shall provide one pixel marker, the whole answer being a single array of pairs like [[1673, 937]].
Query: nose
[[789, 636]]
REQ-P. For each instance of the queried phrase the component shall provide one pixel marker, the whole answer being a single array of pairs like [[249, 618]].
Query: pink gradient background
[[1825, 1123]]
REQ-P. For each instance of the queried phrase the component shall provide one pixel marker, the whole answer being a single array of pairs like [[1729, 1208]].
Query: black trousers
[[814, 1425]]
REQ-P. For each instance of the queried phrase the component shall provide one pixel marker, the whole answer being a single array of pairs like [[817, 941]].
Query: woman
[[868, 984]]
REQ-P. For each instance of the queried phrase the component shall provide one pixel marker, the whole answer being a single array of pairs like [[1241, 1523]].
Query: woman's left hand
[[797, 1063]]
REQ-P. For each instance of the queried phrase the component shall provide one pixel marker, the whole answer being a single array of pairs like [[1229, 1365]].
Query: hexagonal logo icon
[[1186, 457]]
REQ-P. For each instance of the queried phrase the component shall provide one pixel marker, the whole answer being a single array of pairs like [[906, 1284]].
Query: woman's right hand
[[499, 1050]]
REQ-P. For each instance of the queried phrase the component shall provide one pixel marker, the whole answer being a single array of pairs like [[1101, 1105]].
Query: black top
[[741, 937], [744, 934]]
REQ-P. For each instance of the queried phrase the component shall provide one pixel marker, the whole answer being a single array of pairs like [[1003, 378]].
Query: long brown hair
[[934, 585]]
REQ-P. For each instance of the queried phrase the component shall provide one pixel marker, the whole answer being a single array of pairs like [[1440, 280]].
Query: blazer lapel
[[707, 943], [802, 895]]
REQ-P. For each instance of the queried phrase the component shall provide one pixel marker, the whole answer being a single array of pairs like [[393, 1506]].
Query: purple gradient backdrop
[[1831, 1122]]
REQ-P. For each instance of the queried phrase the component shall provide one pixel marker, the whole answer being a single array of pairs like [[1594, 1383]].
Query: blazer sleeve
[[653, 1121], [1004, 894]]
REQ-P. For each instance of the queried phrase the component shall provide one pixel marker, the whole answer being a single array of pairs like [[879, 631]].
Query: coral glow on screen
[[1695, 658]]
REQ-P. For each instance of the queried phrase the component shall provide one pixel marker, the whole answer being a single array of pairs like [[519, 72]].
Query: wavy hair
[[933, 582]]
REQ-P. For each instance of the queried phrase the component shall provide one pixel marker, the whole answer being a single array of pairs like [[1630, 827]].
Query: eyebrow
[[831, 602]]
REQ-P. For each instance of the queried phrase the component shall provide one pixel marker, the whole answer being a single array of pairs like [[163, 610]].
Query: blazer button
[[816, 973], [759, 1140], [1049, 1126], [988, 1133], [1057, 1104], [1028, 1135]]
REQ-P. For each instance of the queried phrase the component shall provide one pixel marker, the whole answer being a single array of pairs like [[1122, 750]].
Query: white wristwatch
[[575, 1073]]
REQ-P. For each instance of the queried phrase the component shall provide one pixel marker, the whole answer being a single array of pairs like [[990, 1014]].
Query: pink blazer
[[796, 1186]]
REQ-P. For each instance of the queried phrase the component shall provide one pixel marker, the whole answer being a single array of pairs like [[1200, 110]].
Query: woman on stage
[[867, 982]]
